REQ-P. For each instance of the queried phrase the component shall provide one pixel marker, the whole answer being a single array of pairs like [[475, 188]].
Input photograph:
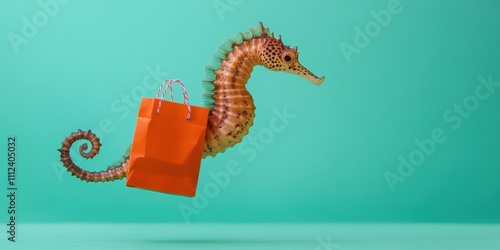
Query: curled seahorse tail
[[115, 172]]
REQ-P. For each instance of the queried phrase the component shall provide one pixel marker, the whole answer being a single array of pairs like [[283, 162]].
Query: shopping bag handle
[[169, 86]]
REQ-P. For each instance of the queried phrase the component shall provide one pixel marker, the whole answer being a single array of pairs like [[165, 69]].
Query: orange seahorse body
[[232, 108]]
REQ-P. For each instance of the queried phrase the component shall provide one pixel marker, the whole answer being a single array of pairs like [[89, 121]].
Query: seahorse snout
[[302, 71]]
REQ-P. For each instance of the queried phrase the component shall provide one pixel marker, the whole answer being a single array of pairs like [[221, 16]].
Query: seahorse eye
[[288, 57]]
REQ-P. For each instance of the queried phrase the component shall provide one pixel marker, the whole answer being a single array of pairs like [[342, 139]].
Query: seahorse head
[[276, 56]]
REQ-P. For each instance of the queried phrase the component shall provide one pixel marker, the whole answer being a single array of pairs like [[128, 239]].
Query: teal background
[[327, 165]]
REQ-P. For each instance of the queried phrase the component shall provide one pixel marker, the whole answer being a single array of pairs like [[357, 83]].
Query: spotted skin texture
[[233, 110]]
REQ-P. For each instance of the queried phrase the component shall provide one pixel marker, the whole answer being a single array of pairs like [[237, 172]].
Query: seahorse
[[232, 108]]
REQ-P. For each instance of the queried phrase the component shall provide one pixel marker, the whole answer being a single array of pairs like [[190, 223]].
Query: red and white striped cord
[[169, 86]]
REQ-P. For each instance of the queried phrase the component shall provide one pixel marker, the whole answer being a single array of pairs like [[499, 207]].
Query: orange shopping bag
[[168, 144]]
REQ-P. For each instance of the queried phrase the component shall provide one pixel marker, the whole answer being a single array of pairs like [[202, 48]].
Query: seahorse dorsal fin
[[220, 55]]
